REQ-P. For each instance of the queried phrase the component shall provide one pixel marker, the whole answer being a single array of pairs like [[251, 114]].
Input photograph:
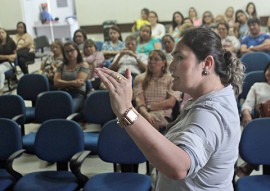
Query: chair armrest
[[18, 117], [75, 166], [9, 164], [75, 117]]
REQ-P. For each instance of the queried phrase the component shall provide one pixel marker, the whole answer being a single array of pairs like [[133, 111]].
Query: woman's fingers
[[104, 78]]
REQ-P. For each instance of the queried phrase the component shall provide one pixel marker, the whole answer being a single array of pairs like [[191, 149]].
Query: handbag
[[264, 109], [23, 52]]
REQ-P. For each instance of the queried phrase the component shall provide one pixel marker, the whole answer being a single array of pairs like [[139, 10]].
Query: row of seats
[[62, 141], [59, 105]]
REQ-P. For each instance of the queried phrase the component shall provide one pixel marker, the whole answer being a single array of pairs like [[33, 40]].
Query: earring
[[204, 72]]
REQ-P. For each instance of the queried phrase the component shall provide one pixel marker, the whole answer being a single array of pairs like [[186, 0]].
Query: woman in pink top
[[192, 13]]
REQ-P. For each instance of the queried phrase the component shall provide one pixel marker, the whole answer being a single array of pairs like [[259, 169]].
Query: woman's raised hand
[[120, 89]]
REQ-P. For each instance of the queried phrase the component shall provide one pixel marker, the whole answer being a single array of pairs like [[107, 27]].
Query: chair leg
[[149, 168]]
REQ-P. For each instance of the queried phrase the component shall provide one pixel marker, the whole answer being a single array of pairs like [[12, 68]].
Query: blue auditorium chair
[[115, 146], [254, 149], [96, 110], [10, 149], [59, 141], [255, 61], [29, 86], [13, 107], [49, 105]]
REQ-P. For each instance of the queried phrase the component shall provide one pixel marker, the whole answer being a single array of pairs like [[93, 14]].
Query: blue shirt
[[250, 41]]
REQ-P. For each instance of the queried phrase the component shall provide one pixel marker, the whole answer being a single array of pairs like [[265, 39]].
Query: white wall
[[10, 13], [94, 12]]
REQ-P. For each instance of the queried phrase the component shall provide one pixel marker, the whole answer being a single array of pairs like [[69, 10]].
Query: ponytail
[[234, 72]]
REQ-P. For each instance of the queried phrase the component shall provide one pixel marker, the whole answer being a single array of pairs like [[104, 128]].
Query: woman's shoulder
[[84, 65], [260, 85], [140, 77]]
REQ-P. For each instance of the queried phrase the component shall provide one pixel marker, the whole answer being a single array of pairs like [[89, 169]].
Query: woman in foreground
[[200, 148]]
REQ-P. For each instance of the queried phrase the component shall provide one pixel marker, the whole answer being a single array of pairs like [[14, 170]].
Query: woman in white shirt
[[258, 93], [158, 30]]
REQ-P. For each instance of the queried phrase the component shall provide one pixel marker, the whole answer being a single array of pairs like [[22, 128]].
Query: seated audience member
[[258, 93], [188, 20], [129, 58], [95, 59], [143, 20], [153, 91], [229, 17], [49, 66], [112, 47], [25, 47], [175, 28], [192, 13], [240, 25], [168, 45], [187, 24], [228, 42], [146, 43], [251, 10], [158, 30], [79, 38], [255, 41], [219, 19], [208, 20], [71, 75], [7, 55], [92, 56]]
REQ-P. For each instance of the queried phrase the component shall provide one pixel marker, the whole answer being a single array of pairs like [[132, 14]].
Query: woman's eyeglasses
[[154, 59], [69, 51]]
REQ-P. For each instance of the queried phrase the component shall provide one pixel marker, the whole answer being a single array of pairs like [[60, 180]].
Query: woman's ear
[[209, 63]]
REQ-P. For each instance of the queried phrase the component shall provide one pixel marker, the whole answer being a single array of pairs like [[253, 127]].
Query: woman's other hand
[[246, 117]]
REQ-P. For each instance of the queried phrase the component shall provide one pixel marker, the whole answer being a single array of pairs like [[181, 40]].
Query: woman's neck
[[153, 24], [114, 41], [156, 75], [143, 41], [57, 56], [206, 88]]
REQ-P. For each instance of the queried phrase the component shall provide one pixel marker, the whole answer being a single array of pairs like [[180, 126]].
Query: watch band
[[128, 118]]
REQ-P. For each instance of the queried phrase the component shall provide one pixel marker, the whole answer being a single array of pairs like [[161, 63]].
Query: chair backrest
[[57, 140], [255, 141], [254, 61], [53, 105], [30, 85], [12, 105], [115, 145], [249, 80], [97, 108], [41, 42], [10, 138], [99, 45]]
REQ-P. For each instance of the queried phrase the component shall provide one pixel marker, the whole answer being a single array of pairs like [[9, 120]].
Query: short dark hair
[[254, 20]]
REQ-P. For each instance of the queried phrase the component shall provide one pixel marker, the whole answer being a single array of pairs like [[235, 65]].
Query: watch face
[[132, 116]]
